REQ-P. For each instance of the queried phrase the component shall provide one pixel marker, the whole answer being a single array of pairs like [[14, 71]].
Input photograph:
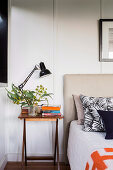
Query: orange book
[[50, 107]]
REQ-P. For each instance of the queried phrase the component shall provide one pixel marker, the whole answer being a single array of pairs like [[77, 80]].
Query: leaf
[[49, 95], [32, 91], [28, 94], [16, 88], [14, 100], [28, 105], [15, 91], [22, 104], [11, 94]]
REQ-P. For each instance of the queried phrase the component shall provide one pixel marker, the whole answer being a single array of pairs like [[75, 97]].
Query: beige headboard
[[87, 84]]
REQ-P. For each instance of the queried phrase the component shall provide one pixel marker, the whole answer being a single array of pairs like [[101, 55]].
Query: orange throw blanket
[[101, 159]]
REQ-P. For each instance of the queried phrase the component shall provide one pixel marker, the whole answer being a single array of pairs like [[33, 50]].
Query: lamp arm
[[28, 77]]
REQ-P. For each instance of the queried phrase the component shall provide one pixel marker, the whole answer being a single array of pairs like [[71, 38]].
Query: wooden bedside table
[[27, 117]]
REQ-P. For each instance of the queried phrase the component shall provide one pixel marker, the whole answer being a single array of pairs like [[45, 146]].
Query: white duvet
[[81, 144]]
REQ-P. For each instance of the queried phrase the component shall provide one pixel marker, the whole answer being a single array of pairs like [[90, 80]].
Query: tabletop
[[39, 117]]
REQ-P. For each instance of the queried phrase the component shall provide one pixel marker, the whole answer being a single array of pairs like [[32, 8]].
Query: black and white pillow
[[92, 120]]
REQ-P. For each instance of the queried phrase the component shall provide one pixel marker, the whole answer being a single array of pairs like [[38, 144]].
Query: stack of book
[[51, 111]]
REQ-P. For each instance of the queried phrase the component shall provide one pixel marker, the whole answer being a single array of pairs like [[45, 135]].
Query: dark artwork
[[3, 40]]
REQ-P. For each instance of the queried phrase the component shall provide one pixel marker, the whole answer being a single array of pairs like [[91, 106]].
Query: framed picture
[[106, 40], [3, 42]]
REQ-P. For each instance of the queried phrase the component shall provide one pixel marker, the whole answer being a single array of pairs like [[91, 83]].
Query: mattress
[[81, 144]]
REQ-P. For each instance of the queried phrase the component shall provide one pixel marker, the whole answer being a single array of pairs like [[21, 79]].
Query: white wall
[[67, 43], [3, 158], [31, 39]]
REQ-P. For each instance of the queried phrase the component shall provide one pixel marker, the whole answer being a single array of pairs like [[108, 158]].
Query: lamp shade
[[43, 71]]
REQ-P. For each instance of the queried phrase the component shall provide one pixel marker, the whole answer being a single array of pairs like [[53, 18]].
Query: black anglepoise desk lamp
[[43, 72]]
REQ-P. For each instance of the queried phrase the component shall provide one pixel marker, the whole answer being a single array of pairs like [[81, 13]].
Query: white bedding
[[81, 144]]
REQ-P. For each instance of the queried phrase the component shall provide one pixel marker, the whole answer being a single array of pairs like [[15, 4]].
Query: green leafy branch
[[28, 98]]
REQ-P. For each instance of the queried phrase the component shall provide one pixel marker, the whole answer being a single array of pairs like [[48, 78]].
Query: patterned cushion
[[92, 120]]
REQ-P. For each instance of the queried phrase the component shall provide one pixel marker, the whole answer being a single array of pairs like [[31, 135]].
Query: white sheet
[[81, 144]]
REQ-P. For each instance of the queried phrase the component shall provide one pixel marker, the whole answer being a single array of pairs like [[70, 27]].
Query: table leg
[[57, 145], [23, 144]]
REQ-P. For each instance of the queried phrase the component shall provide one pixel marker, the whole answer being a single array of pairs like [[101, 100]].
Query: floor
[[35, 166]]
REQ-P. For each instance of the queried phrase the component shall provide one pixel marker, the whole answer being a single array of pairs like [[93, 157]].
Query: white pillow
[[79, 108]]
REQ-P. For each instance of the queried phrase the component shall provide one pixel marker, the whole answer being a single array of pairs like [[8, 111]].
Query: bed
[[79, 143]]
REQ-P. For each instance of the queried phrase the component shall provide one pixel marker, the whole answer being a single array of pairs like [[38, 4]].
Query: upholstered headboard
[[87, 84]]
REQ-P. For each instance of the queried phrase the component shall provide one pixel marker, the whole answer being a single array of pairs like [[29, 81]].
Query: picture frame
[[106, 40], [3, 43]]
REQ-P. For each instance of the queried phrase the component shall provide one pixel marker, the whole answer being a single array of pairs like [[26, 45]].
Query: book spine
[[24, 111], [50, 108], [49, 114], [51, 111]]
